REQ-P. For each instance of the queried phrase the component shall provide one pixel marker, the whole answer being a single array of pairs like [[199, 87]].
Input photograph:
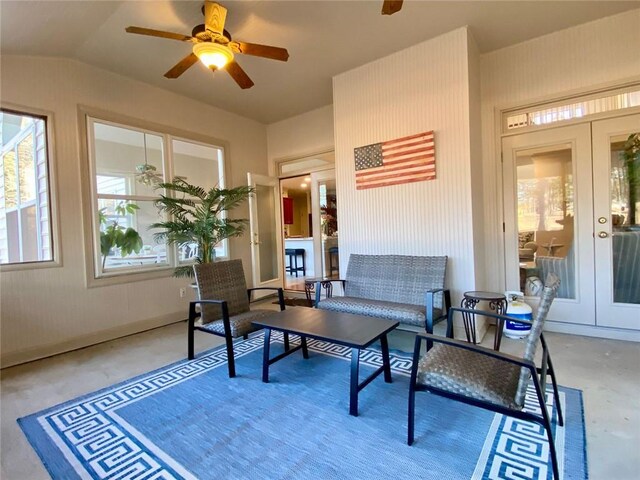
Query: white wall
[[50, 310], [605, 51], [302, 135], [425, 87]]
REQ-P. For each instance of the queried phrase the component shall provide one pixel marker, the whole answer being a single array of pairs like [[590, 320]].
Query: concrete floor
[[607, 371]]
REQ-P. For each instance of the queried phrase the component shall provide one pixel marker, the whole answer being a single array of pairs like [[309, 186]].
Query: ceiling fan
[[389, 7], [213, 46]]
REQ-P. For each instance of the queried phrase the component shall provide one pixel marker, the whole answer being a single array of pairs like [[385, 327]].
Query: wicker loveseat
[[408, 289]]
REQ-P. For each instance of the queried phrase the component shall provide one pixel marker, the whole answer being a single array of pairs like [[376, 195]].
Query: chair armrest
[[320, 282], [420, 337], [278, 289], [446, 306], [193, 314]]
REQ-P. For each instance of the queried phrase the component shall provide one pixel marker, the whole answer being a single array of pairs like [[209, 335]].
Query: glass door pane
[[545, 217], [266, 226], [264, 214], [625, 217], [329, 229]]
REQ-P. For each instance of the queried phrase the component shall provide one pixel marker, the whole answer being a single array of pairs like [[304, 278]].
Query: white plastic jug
[[517, 308]]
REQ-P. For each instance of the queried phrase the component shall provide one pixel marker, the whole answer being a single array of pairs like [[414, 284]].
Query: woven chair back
[[549, 292], [221, 281], [395, 278]]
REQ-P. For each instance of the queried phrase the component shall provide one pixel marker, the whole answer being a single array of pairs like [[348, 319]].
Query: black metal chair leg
[[556, 395], [230, 360], [412, 391], [546, 423], [190, 340], [190, 330], [554, 383]]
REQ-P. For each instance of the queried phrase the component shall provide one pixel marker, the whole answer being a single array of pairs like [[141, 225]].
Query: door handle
[[603, 234]]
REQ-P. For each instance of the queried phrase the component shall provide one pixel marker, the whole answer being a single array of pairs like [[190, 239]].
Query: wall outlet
[[183, 292]]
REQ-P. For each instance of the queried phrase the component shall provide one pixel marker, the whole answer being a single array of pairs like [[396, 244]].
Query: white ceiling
[[324, 38]]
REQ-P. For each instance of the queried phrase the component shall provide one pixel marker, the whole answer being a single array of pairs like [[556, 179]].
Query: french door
[[265, 231], [568, 199], [617, 221]]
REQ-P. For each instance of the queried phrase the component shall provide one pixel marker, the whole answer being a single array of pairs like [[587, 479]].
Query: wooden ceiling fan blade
[[214, 17], [159, 33], [389, 7], [257, 50], [182, 66], [239, 75]]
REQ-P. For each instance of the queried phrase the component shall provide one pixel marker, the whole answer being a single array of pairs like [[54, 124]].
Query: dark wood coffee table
[[353, 331]]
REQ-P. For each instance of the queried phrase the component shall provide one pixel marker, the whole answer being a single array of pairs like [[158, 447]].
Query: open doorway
[[299, 259], [310, 244]]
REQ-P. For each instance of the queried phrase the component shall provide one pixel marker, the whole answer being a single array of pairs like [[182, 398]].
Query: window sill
[[15, 267], [130, 277]]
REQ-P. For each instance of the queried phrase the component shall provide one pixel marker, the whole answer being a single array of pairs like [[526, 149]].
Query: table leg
[[385, 358], [308, 290], [469, 319], [265, 355], [500, 307], [305, 350], [355, 373]]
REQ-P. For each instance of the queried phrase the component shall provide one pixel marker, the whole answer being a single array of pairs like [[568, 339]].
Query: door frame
[[316, 178], [580, 309]]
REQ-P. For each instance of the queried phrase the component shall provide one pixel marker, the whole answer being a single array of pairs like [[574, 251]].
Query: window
[[127, 165], [25, 218], [571, 110]]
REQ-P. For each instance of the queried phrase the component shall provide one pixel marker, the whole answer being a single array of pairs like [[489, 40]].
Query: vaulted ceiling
[[324, 38]]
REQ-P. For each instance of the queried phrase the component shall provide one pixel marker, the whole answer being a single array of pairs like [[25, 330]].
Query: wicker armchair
[[485, 378], [224, 306]]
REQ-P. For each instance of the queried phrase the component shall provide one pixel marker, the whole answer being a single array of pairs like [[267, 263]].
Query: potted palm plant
[[196, 217]]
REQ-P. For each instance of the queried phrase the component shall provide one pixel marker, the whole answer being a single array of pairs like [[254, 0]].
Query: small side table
[[497, 303], [310, 286]]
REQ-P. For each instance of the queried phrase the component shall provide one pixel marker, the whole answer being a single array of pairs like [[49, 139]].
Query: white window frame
[[47, 118], [97, 275]]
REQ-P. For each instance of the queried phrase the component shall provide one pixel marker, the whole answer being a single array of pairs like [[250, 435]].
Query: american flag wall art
[[405, 160]]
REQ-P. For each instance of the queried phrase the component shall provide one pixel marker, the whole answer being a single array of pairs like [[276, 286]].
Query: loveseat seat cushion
[[401, 312]]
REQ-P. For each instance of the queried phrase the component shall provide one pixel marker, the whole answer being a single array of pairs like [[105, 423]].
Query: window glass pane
[[25, 220], [126, 239], [10, 183], [570, 111], [29, 234], [199, 165], [13, 237], [545, 216], [129, 154], [26, 170]]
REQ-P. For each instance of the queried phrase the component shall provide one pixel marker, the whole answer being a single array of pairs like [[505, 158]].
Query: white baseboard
[[593, 331], [42, 351]]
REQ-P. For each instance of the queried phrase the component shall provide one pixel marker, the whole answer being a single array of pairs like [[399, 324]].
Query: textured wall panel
[[419, 89], [49, 310], [579, 58]]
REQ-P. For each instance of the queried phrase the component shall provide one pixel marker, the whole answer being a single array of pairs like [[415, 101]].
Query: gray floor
[[607, 371]]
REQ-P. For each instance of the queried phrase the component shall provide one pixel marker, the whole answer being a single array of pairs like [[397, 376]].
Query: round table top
[[480, 295]]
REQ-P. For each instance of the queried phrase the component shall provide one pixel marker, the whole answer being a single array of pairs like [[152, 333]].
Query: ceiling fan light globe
[[212, 54]]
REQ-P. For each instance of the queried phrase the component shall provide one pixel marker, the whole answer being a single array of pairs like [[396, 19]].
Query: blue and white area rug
[[189, 420]]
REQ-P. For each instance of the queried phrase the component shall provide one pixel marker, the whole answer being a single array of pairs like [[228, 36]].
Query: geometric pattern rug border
[[94, 441]]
